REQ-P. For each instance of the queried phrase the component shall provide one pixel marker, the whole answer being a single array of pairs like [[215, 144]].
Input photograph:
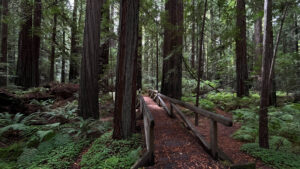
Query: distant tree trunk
[[124, 114], [200, 63], [193, 34], [273, 97], [74, 52], [4, 35], [296, 46], [88, 93], [172, 54], [63, 59], [265, 89], [157, 62], [104, 54], [139, 59], [37, 20], [242, 87], [52, 57], [27, 75]]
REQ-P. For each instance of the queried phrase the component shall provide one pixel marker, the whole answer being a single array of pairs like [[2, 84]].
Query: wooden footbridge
[[169, 144]]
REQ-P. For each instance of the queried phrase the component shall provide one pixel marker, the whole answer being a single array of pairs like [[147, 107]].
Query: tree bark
[[104, 49], [52, 57], [37, 20], [265, 89], [63, 59], [242, 87], [4, 35], [124, 114], [172, 54], [88, 93], [27, 64], [73, 74]]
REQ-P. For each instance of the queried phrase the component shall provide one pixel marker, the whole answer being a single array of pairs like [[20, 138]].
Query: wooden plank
[[214, 138], [191, 127], [219, 118]]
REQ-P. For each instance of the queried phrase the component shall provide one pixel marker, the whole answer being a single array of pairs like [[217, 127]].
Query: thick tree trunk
[[27, 75], [63, 59], [88, 93], [124, 114], [4, 35], [52, 57], [73, 74], [172, 54], [37, 20], [242, 87], [265, 89], [104, 49]]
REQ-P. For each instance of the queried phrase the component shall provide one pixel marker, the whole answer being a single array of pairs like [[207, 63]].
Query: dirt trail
[[175, 147]]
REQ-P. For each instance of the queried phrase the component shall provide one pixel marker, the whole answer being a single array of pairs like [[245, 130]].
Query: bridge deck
[[175, 147]]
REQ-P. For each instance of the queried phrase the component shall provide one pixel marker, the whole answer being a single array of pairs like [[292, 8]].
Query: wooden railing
[[211, 147], [148, 158]]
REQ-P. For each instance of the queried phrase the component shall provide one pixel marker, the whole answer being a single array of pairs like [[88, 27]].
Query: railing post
[[214, 138], [151, 145]]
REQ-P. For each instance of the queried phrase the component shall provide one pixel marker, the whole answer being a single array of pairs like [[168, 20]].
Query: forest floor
[[175, 147]]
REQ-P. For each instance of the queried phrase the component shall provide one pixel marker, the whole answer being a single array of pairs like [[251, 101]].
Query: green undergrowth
[[283, 121], [275, 158], [112, 154]]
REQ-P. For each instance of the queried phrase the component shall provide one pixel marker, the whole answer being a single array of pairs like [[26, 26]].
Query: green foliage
[[108, 153], [58, 152], [85, 128], [11, 152], [245, 134], [7, 164], [277, 159], [206, 104]]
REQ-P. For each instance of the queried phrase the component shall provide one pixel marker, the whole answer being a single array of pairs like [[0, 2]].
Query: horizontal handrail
[[216, 117]]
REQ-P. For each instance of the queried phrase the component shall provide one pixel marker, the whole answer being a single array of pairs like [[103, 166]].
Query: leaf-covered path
[[175, 147]]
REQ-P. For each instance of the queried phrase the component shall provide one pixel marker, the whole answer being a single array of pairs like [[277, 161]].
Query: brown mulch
[[175, 147]]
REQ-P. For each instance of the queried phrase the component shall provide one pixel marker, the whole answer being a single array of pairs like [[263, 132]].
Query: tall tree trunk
[[52, 57], [4, 35], [242, 87], [26, 68], [63, 59], [73, 74], [124, 114], [273, 97], [265, 89], [88, 93], [139, 59], [297, 46], [104, 49], [37, 20], [157, 62], [200, 64], [193, 34], [172, 54]]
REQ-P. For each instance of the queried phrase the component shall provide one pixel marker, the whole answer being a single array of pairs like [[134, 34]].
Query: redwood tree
[[88, 93], [52, 57], [29, 44], [266, 71], [241, 51], [4, 33], [124, 114], [172, 49], [74, 52]]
